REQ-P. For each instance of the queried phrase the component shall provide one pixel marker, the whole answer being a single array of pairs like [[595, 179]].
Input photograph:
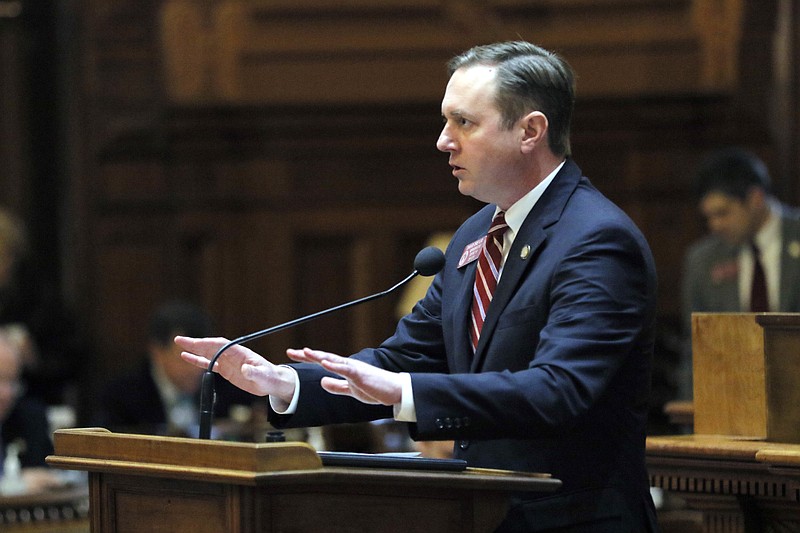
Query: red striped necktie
[[486, 275], [758, 291]]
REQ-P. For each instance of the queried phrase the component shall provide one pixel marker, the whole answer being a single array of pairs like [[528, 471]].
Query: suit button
[[439, 423], [457, 423], [466, 421], [448, 423], [463, 444]]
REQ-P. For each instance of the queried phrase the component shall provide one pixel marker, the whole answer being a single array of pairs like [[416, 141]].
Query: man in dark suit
[[556, 379], [733, 190]]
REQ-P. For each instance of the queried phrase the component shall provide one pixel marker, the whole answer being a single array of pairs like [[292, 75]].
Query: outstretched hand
[[240, 365], [360, 380]]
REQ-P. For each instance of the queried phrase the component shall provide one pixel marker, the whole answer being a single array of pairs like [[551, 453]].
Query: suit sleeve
[[416, 346]]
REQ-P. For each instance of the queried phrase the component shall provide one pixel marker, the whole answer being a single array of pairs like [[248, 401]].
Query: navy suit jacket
[[560, 379]]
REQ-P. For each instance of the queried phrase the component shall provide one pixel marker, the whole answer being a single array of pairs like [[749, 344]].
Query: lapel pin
[[525, 252], [794, 249]]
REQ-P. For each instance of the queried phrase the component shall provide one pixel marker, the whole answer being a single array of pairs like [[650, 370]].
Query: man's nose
[[444, 143], [715, 225]]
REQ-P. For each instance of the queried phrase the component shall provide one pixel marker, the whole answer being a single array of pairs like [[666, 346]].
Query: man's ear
[[535, 127]]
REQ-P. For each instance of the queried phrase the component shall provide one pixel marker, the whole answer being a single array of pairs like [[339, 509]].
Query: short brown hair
[[529, 78]]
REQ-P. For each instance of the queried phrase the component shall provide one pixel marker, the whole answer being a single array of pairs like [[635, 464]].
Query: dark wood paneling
[[14, 145]]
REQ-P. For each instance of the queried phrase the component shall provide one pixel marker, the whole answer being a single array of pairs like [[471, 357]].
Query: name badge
[[471, 252]]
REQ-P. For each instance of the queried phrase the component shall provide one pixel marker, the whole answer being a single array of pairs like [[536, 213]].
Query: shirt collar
[[169, 393], [769, 232], [518, 212]]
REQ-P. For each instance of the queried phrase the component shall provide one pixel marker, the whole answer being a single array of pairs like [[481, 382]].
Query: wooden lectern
[[174, 485], [746, 375]]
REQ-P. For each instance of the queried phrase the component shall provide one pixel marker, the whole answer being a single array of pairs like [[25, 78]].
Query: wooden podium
[[174, 485], [746, 375]]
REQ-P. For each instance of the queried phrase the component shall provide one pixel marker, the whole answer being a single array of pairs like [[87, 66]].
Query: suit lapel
[[513, 273], [463, 315]]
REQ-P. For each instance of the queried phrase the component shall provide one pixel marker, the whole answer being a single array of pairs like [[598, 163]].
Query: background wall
[[269, 159]]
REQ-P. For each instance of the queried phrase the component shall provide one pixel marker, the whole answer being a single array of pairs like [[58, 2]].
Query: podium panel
[[164, 505], [729, 390], [161, 484]]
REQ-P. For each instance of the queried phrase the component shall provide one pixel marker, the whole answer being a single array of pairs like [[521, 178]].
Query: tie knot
[[499, 226]]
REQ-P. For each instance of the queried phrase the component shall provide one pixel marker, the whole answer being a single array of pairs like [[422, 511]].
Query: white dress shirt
[[768, 239]]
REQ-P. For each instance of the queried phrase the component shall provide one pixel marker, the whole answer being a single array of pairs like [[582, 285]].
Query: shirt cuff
[[405, 411], [279, 406]]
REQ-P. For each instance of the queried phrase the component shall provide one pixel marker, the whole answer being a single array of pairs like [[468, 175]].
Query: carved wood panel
[[314, 51]]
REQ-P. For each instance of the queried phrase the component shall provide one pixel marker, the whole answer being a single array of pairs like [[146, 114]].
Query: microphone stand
[[207, 393]]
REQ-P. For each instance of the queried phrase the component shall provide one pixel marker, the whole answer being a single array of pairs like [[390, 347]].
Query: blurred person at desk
[[750, 261], [161, 394], [24, 430], [546, 369], [37, 320]]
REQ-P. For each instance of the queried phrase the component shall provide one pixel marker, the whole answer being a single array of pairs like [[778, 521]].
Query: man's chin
[[467, 188]]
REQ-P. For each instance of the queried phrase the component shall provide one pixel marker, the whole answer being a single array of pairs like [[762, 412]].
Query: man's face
[[485, 156], [732, 219], [185, 377]]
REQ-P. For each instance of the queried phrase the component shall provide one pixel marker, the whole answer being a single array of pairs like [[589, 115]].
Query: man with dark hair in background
[[750, 261], [161, 394]]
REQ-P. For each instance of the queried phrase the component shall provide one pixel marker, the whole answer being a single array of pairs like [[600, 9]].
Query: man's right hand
[[241, 366]]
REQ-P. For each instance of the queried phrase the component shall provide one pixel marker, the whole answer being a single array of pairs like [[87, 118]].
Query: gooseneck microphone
[[429, 261]]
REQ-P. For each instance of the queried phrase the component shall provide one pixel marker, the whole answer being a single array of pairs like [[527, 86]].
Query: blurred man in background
[[750, 261], [161, 394]]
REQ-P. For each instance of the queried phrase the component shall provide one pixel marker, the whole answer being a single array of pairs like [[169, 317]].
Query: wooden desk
[[56, 511], [740, 485]]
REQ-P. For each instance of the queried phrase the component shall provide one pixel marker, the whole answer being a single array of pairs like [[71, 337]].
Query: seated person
[[161, 395], [23, 422], [53, 352]]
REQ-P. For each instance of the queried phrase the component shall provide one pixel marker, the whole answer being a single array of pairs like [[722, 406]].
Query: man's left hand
[[360, 380]]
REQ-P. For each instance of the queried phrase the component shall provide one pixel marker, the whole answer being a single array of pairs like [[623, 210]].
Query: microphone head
[[429, 261]]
